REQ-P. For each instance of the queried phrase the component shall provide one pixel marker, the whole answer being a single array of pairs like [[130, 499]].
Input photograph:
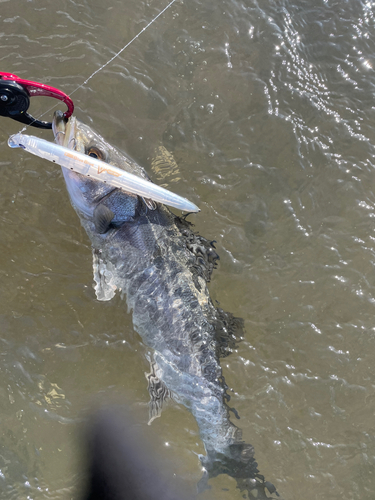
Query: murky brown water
[[269, 112]]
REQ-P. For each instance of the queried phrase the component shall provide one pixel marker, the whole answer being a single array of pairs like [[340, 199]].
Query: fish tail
[[238, 462]]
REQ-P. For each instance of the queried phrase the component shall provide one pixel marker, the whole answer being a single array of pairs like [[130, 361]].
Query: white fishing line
[[108, 62], [125, 47]]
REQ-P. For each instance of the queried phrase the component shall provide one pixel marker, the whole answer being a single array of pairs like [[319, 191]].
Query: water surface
[[268, 111]]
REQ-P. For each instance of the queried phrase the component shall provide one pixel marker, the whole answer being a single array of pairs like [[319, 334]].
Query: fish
[[162, 266]]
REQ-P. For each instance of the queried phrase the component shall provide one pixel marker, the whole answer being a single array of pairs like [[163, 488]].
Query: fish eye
[[95, 153]]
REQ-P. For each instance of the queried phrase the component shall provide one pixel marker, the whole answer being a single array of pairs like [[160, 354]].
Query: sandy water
[[268, 110]]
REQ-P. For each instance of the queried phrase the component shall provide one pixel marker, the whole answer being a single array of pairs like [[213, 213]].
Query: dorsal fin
[[229, 331], [102, 218]]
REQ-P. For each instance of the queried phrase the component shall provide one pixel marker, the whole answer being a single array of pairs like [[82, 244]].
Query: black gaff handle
[[14, 103], [15, 93]]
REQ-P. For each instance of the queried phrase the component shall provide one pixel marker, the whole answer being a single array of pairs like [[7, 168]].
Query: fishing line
[[125, 47], [110, 60]]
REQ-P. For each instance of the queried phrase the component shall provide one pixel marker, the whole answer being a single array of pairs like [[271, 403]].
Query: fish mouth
[[65, 132]]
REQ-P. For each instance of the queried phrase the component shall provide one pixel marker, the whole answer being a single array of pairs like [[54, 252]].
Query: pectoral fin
[[102, 218], [159, 392]]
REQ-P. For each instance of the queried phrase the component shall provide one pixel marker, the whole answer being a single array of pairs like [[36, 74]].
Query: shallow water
[[268, 111]]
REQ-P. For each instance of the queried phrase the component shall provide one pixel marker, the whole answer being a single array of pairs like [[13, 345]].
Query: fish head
[[85, 192]]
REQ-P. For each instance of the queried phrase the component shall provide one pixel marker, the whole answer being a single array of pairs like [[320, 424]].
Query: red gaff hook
[[15, 93]]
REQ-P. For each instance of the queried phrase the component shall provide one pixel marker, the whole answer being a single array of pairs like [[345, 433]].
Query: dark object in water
[[121, 465]]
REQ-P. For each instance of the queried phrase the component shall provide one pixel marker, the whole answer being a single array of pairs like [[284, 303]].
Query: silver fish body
[[163, 268]]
